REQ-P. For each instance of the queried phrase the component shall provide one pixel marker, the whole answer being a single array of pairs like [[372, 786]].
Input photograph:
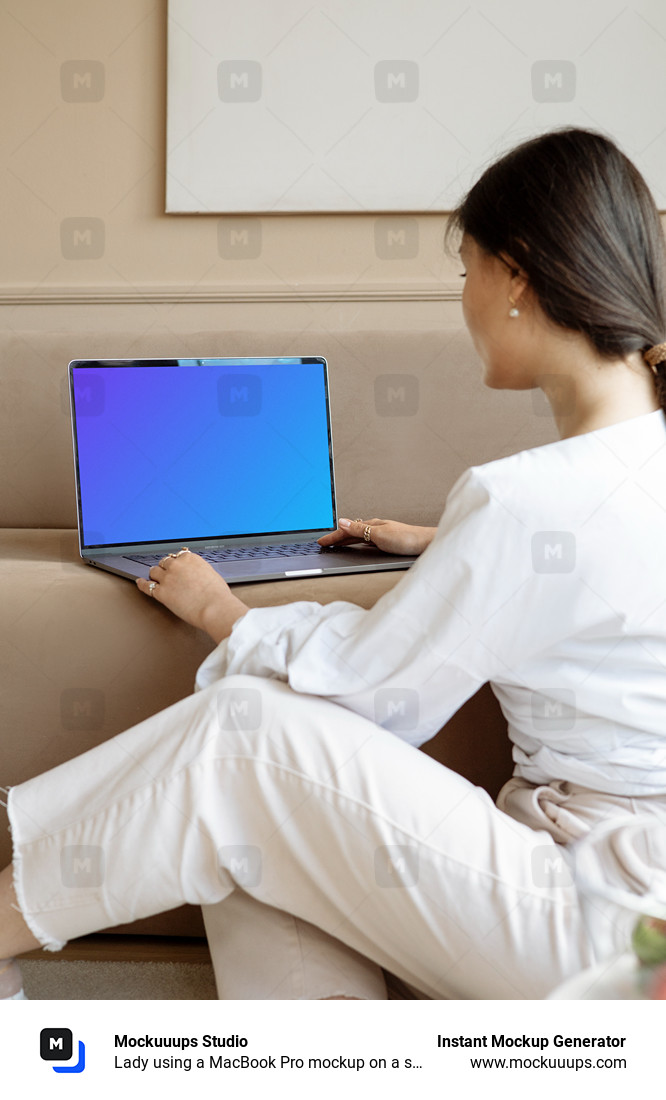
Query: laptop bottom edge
[[237, 572]]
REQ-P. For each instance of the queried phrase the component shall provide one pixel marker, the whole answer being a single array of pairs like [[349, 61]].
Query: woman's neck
[[611, 392]]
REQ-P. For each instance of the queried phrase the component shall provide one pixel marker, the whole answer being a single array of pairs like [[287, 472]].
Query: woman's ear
[[520, 286], [519, 278]]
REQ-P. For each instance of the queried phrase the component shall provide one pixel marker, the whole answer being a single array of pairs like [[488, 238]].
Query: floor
[[105, 967], [112, 968]]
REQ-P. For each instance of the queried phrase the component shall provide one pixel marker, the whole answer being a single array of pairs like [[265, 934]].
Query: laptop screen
[[185, 449]]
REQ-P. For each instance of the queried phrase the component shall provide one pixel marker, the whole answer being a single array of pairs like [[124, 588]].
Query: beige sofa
[[85, 655]]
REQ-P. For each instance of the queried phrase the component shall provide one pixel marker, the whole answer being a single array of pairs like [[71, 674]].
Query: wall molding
[[184, 295]]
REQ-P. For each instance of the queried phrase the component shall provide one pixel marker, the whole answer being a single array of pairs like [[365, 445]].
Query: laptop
[[232, 458]]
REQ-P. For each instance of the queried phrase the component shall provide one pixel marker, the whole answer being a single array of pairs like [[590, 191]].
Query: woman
[[320, 845]]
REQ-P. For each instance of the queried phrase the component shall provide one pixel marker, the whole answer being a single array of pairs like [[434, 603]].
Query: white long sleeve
[[456, 619], [546, 578]]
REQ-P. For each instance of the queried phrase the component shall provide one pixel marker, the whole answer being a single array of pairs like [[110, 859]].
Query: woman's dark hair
[[574, 212]]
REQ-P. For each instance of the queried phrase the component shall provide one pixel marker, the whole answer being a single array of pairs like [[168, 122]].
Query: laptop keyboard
[[238, 553]]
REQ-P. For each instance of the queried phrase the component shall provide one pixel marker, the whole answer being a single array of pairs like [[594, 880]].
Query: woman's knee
[[267, 715], [250, 715]]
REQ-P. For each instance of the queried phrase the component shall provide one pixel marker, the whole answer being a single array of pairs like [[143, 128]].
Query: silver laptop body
[[231, 457]]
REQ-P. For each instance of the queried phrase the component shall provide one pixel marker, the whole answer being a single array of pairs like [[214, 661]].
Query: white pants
[[321, 847]]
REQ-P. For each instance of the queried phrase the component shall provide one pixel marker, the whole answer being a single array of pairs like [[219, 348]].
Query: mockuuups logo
[[553, 551]]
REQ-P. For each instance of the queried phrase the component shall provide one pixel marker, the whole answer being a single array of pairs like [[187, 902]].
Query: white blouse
[[546, 577]]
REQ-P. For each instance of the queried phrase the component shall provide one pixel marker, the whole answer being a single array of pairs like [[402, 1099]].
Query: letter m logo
[[552, 709], [82, 237]]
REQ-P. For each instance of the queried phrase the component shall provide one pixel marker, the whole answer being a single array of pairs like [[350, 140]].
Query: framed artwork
[[396, 105]]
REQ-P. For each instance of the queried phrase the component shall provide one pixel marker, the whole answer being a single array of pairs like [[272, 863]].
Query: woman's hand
[[195, 592], [386, 534]]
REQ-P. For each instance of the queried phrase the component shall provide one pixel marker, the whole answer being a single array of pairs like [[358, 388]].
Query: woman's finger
[[333, 536], [344, 535], [337, 540], [144, 586], [355, 528]]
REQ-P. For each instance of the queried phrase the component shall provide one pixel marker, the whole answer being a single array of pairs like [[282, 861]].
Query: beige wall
[[161, 287], [106, 159]]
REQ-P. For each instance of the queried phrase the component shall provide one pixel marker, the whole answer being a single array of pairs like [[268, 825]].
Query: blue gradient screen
[[201, 450]]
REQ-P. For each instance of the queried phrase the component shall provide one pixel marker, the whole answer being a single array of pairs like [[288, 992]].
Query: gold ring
[[359, 519], [366, 533], [172, 555], [151, 587]]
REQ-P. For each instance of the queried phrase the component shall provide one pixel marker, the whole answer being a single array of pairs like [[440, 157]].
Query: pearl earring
[[513, 312]]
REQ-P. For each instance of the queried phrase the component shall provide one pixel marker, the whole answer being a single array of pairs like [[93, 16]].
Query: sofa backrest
[[409, 412]]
